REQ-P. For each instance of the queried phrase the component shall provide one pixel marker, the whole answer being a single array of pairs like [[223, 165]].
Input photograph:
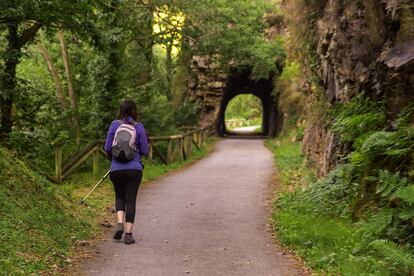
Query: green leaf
[[406, 194], [406, 213], [394, 251]]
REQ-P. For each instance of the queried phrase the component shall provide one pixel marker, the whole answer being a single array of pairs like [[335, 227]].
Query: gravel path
[[208, 219]]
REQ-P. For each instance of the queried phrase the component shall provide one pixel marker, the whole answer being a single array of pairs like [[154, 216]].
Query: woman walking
[[125, 144]]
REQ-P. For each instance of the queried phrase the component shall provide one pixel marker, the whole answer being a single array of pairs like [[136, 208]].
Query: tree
[[233, 32], [21, 21]]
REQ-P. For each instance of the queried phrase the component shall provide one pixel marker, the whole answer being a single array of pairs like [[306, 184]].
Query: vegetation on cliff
[[316, 218], [358, 218]]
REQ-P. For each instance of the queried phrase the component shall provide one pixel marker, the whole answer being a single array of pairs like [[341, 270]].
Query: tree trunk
[[54, 74], [148, 43], [71, 90], [8, 80], [170, 69], [68, 70]]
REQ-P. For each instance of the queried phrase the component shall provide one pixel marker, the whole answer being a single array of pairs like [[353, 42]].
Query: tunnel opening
[[240, 83], [244, 115]]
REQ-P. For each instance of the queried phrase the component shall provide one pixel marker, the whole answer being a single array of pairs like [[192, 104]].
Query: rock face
[[206, 87], [361, 46]]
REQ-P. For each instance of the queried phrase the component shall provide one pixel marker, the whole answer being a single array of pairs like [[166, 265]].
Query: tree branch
[[30, 113], [29, 33]]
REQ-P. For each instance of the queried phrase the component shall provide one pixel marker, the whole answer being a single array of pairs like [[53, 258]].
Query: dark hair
[[127, 109]]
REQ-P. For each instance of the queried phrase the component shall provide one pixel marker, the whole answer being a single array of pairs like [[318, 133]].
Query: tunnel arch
[[241, 83]]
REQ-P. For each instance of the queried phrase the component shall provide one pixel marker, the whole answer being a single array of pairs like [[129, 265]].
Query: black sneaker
[[128, 238], [119, 231]]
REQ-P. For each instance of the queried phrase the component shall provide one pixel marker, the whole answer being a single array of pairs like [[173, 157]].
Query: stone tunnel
[[213, 89]]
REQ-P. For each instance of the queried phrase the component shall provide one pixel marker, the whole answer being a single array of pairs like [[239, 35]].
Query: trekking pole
[[100, 181]]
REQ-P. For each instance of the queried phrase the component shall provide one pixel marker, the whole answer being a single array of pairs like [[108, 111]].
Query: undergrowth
[[359, 219], [38, 222], [41, 223]]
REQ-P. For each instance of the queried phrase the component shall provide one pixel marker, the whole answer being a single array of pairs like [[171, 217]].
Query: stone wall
[[206, 87]]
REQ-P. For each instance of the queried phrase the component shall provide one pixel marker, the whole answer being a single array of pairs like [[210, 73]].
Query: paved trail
[[250, 130], [208, 219]]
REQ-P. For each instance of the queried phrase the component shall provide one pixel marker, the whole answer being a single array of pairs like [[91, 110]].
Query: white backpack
[[123, 146]]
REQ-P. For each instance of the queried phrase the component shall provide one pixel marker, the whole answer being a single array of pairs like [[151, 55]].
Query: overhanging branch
[[29, 33]]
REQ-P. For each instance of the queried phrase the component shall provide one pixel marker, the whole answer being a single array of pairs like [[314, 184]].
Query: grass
[[292, 170], [41, 223], [327, 244], [38, 223]]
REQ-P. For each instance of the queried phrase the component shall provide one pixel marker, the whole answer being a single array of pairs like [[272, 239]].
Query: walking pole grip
[[91, 191]]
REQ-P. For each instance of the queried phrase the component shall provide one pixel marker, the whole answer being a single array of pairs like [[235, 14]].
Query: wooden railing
[[178, 148], [233, 123]]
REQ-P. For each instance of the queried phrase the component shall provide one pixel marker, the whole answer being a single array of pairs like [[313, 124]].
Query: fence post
[[170, 157], [150, 153], [181, 148], [190, 145], [199, 139], [185, 151], [95, 161], [58, 163], [196, 138]]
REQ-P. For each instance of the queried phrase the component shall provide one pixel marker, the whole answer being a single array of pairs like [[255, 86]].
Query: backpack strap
[[133, 123]]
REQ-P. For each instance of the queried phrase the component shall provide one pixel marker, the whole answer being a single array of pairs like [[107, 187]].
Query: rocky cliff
[[360, 46]]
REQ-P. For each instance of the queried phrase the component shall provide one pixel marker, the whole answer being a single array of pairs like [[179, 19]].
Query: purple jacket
[[141, 143]]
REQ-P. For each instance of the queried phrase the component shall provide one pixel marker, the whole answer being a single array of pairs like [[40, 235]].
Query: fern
[[405, 117], [388, 183], [357, 118], [395, 252], [406, 194], [406, 213], [377, 143], [376, 225]]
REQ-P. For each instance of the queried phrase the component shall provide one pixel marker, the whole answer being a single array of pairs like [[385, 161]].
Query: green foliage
[[371, 193], [327, 244], [292, 170], [37, 225], [313, 218], [234, 30], [186, 114], [45, 12], [395, 252], [357, 119], [116, 54], [388, 183], [288, 89], [41, 223], [247, 107], [405, 193]]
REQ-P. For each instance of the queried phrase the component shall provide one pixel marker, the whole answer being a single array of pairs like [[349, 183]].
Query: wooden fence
[[178, 148], [233, 123]]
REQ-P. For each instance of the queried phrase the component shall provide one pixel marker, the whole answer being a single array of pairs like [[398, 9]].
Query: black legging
[[126, 184]]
